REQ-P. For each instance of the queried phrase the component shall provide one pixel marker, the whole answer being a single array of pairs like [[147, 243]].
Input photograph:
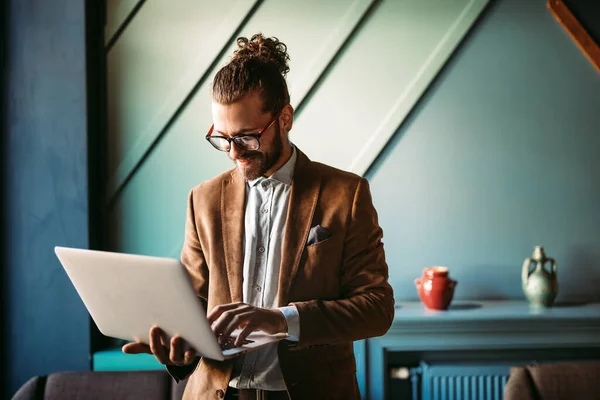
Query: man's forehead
[[236, 117]]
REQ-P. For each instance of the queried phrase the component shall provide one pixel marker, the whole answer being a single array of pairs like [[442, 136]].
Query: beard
[[261, 162]]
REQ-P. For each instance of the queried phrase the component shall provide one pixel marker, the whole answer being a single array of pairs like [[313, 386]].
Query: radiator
[[460, 381]]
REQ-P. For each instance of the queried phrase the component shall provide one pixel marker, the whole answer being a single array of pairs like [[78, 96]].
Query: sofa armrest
[[33, 389], [554, 381], [147, 385], [519, 385], [568, 380]]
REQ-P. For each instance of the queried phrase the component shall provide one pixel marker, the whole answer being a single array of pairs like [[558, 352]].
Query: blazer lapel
[[303, 201], [233, 198]]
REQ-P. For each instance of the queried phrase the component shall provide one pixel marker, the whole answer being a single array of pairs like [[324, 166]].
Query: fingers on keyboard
[[230, 343]]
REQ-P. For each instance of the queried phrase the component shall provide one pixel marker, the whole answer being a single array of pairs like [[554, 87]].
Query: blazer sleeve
[[192, 257], [366, 304]]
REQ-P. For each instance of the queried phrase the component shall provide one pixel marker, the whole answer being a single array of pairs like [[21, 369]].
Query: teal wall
[[44, 179], [497, 157], [500, 155], [158, 92]]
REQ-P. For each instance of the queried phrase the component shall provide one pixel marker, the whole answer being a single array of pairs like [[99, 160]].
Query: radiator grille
[[463, 382]]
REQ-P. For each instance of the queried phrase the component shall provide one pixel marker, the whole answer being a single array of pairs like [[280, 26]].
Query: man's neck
[[285, 156]]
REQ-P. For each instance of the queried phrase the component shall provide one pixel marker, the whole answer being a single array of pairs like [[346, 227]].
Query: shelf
[[481, 326], [116, 360], [494, 310], [493, 324]]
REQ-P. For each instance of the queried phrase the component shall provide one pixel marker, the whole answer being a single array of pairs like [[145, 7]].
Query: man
[[279, 244]]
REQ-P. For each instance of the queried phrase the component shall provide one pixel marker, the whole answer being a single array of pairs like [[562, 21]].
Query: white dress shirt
[[266, 210]]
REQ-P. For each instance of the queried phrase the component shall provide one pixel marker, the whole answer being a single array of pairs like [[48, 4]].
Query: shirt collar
[[283, 174]]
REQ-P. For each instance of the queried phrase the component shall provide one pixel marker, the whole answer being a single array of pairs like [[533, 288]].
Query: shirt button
[[265, 210], [247, 367], [261, 249], [257, 288], [220, 394]]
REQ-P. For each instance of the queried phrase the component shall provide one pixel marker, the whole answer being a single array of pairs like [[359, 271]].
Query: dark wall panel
[[3, 169], [588, 13], [46, 201]]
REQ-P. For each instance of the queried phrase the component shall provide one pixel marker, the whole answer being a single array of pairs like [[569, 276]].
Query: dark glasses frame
[[237, 139]]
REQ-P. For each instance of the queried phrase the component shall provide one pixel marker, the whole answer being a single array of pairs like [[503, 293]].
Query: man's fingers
[[158, 349], [248, 329], [189, 356], [216, 312], [239, 320], [176, 353], [164, 341], [136, 348], [226, 317]]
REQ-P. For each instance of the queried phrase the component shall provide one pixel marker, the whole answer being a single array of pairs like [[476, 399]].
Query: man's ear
[[287, 118]]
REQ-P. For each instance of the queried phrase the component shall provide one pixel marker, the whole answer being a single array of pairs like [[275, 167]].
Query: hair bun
[[262, 49]]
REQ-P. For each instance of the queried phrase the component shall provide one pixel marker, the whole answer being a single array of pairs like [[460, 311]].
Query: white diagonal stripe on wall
[[407, 99], [379, 78]]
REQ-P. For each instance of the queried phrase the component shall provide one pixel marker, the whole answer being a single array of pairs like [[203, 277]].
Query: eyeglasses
[[243, 142]]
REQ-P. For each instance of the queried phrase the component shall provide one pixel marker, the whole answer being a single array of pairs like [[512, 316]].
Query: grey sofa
[[555, 381], [88, 385]]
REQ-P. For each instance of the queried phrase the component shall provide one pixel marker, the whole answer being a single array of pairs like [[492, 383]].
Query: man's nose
[[235, 152]]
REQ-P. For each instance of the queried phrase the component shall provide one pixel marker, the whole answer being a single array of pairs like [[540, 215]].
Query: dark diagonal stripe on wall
[[183, 104], [317, 83], [124, 25]]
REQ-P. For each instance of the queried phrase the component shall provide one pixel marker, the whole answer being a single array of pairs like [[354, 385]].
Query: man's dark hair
[[258, 65]]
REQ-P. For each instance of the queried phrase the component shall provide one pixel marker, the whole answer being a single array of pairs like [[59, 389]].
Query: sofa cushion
[[147, 385], [555, 381], [580, 380]]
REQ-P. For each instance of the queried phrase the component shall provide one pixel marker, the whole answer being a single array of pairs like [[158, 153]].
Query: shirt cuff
[[293, 322]]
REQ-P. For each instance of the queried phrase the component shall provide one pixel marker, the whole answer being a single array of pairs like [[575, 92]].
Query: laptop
[[127, 294]]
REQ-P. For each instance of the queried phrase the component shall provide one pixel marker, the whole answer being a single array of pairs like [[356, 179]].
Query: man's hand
[[228, 317], [158, 347]]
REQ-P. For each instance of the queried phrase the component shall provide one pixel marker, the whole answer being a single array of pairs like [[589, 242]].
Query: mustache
[[249, 156]]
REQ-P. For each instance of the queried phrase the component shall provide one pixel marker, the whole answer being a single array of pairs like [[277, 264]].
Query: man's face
[[246, 117]]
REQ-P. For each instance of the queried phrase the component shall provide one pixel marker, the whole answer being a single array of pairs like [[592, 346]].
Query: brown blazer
[[339, 285]]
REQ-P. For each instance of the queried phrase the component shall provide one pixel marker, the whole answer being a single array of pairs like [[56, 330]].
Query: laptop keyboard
[[230, 343]]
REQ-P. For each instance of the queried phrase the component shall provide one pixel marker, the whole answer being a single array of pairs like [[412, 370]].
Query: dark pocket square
[[317, 234]]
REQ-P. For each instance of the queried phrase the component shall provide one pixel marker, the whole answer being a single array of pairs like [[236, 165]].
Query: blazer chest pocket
[[323, 249], [321, 266]]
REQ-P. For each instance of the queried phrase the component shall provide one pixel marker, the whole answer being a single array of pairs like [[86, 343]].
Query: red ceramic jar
[[435, 288]]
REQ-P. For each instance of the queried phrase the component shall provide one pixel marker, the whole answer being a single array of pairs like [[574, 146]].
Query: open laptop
[[127, 294]]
